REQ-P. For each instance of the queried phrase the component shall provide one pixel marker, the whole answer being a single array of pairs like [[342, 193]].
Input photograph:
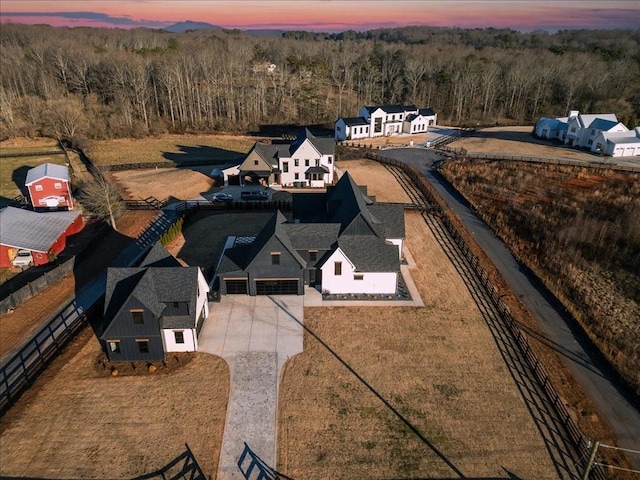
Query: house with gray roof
[[155, 308], [345, 243], [308, 161], [600, 133], [385, 120], [49, 187], [42, 234]]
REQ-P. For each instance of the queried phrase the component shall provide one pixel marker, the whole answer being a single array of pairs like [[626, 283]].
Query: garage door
[[277, 287], [236, 287]]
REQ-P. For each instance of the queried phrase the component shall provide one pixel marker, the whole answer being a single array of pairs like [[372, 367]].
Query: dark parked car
[[221, 197], [254, 195]]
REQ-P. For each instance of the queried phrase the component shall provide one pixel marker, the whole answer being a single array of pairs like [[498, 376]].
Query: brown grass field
[[217, 148], [516, 141], [437, 366]]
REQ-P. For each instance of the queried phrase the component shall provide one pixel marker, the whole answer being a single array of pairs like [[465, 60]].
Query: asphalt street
[[595, 377]]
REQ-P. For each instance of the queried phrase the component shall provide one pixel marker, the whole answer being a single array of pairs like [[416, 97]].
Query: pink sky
[[327, 15]]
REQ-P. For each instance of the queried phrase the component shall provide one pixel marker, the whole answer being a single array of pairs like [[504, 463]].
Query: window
[[337, 268], [590, 142], [114, 346], [593, 132], [285, 167], [38, 188], [179, 335], [138, 317], [338, 128], [275, 258], [296, 162], [296, 176], [573, 129], [306, 162], [176, 305], [143, 345], [317, 162], [313, 255], [330, 159], [358, 277], [57, 186], [377, 127]]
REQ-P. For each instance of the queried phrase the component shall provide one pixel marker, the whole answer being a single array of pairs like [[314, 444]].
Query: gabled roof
[[324, 146], [355, 121], [47, 170], [585, 120], [369, 253], [158, 256], [309, 236], [240, 257], [392, 218], [33, 231], [347, 205], [603, 124], [426, 112], [154, 285]]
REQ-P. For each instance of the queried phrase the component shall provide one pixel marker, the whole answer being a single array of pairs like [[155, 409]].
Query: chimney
[[573, 113]]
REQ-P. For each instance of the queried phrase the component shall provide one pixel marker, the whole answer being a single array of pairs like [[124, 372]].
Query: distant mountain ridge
[[182, 27]]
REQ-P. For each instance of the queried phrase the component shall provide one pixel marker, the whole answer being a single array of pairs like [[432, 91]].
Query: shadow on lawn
[[203, 155]]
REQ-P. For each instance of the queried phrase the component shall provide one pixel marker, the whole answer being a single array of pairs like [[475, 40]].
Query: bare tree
[[101, 198]]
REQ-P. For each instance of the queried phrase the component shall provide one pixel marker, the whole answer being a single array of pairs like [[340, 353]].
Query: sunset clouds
[[327, 15]]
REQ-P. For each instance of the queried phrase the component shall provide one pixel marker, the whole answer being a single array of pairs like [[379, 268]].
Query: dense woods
[[104, 83]]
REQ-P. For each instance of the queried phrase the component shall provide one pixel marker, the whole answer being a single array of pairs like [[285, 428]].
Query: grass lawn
[[220, 149], [13, 170]]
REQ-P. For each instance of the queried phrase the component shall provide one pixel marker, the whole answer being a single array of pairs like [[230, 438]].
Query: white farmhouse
[[618, 144], [383, 121]]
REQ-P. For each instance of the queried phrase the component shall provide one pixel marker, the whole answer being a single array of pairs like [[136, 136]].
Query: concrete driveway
[[256, 336]]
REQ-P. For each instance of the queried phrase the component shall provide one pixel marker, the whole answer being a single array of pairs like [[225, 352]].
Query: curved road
[[587, 369]]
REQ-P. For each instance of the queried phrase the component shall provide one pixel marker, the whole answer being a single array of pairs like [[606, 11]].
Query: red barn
[[48, 186], [42, 234]]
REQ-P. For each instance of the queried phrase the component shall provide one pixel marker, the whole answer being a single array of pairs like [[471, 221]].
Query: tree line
[[103, 83]]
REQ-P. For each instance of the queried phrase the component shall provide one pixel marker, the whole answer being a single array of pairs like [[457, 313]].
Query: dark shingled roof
[[426, 112], [154, 286], [33, 231], [370, 253], [353, 121], [307, 236], [158, 256], [318, 169], [392, 218]]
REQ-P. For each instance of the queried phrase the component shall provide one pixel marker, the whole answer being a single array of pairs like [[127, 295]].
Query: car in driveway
[[221, 197], [252, 195]]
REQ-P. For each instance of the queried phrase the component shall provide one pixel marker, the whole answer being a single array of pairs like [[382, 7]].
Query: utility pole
[[592, 458]]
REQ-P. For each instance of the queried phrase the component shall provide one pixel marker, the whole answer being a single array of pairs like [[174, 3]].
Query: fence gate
[[253, 467]]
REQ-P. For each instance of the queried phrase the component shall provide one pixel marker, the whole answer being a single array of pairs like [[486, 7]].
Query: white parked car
[[23, 259]]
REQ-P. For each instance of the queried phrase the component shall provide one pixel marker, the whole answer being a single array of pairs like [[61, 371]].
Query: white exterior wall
[[169, 340], [381, 114], [203, 290], [419, 124], [372, 282], [306, 151], [357, 132], [626, 149], [399, 243]]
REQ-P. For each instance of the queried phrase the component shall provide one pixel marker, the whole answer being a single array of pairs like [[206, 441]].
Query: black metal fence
[[577, 438], [183, 467], [25, 366]]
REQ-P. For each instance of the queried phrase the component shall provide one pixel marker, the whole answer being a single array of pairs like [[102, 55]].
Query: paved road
[[587, 369]]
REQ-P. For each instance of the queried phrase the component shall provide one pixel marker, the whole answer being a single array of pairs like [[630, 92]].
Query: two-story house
[[385, 120], [307, 161], [153, 309], [340, 241]]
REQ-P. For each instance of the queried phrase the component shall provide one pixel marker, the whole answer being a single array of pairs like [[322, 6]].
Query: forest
[[99, 83]]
